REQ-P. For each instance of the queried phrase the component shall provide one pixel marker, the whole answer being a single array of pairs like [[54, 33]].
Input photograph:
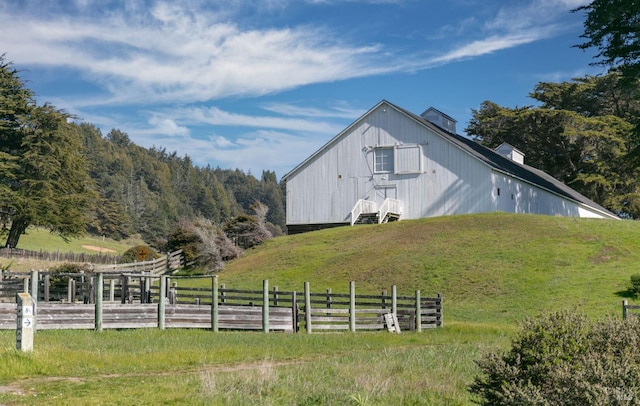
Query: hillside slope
[[490, 267]]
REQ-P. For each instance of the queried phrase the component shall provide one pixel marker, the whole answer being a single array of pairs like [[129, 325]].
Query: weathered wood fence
[[58, 256], [104, 300], [171, 261], [626, 307]]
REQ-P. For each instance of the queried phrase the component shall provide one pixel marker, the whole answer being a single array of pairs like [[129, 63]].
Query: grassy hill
[[491, 268], [40, 239]]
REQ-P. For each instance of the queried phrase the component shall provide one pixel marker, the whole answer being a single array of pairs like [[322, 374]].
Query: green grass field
[[493, 271], [39, 239]]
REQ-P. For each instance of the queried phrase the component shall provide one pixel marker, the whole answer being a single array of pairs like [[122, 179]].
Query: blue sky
[[260, 85]]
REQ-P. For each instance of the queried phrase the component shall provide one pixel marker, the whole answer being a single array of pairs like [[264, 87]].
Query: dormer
[[509, 151], [440, 119]]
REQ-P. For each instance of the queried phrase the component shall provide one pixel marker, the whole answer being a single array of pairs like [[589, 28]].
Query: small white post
[[25, 322]]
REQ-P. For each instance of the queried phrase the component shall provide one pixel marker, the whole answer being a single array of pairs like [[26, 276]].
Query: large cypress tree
[[42, 168]]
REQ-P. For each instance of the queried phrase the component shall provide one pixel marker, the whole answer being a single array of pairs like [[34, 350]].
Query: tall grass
[[201, 367]]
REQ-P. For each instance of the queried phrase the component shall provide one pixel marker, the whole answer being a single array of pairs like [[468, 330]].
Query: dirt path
[[19, 387], [99, 249]]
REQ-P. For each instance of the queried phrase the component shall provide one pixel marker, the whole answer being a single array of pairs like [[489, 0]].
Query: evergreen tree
[[47, 181]]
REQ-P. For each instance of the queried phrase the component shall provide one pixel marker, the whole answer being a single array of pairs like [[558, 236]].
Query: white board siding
[[449, 181], [517, 196], [325, 190]]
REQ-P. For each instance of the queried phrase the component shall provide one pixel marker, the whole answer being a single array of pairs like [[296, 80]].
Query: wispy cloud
[[511, 26], [217, 117], [172, 53]]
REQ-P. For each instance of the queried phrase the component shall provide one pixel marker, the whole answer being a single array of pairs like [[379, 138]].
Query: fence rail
[[626, 307], [169, 262], [106, 300], [57, 256]]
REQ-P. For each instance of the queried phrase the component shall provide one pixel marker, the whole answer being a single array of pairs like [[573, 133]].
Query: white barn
[[391, 164]]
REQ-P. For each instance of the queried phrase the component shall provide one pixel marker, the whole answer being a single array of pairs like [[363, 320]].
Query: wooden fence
[[97, 258], [166, 263], [70, 287], [142, 301], [626, 307]]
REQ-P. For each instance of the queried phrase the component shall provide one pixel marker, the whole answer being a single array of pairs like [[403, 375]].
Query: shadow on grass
[[626, 294]]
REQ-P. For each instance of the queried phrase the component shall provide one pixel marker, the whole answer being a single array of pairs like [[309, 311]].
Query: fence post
[[394, 300], [441, 324], [383, 295], [123, 289], [352, 306], [47, 287], [418, 312], [624, 309], [99, 293], [307, 307], [34, 297], [72, 290], [294, 311], [328, 298], [224, 298], [147, 290], [265, 305], [214, 303], [275, 296], [162, 303], [173, 293], [112, 290]]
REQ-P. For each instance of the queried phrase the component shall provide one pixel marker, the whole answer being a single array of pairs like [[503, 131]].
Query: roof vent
[[509, 151], [440, 119]]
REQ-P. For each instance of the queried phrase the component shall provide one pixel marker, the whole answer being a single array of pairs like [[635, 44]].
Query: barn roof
[[488, 156]]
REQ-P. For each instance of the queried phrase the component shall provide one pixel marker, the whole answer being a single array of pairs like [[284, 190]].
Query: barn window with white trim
[[383, 160]]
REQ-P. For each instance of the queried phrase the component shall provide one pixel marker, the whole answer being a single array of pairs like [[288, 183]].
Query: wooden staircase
[[366, 212]]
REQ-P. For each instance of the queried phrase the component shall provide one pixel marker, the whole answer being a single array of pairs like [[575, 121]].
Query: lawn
[[493, 270]]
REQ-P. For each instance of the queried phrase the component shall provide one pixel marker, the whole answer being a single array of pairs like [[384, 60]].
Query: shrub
[[635, 285], [203, 244], [563, 358], [58, 274], [69, 267], [140, 253]]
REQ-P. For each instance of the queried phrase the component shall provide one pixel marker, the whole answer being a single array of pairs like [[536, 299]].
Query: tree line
[[586, 131], [70, 178]]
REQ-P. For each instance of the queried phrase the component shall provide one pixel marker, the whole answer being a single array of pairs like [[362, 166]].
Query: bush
[[564, 359], [635, 285], [204, 244], [58, 274], [69, 267], [140, 253]]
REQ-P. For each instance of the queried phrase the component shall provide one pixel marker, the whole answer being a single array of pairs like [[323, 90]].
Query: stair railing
[[362, 206], [389, 206]]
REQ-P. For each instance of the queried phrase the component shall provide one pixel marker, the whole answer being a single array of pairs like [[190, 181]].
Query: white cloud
[[218, 117], [176, 54], [338, 111]]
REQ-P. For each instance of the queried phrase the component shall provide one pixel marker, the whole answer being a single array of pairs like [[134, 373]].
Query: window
[[383, 160]]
